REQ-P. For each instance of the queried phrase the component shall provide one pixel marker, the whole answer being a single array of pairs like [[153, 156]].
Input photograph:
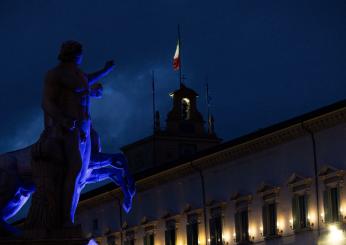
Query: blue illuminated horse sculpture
[[16, 180]]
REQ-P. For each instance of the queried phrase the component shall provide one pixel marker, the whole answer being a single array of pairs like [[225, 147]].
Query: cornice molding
[[232, 153]]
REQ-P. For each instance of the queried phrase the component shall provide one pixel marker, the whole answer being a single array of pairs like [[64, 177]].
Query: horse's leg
[[10, 209], [16, 203], [117, 161], [116, 176], [85, 150], [98, 175], [9, 200], [101, 160]]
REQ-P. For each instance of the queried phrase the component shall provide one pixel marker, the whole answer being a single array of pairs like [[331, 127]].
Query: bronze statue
[[67, 155], [66, 102]]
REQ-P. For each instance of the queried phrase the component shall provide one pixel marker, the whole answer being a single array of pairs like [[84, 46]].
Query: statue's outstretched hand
[[109, 66]]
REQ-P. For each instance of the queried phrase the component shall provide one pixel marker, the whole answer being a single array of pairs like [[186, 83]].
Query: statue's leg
[[74, 166]]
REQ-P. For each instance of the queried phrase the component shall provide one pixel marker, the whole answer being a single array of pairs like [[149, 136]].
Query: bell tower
[[184, 119], [183, 136]]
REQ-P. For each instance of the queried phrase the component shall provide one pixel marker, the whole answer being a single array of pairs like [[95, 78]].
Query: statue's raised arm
[[96, 76]]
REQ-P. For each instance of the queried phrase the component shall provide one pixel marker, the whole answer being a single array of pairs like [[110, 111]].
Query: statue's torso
[[71, 93], [74, 97]]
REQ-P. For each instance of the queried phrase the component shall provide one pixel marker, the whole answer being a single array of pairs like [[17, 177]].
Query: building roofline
[[228, 144], [163, 136]]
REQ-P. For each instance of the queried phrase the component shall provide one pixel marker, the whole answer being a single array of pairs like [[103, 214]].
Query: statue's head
[[71, 51]]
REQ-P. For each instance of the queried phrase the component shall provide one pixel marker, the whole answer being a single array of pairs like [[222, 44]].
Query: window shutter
[[212, 229], [306, 212], [326, 204], [295, 213], [237, 226], [167, 237], [245, 226], [189, 234], [145, 240], [274, 221], [195, 234], [337, 199], [151, 237], [173, 237], [271, 219], [218, 230], [265, 220], [334, 204]]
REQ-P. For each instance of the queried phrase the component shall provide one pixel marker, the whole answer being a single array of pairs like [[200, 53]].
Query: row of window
[[300, 221]]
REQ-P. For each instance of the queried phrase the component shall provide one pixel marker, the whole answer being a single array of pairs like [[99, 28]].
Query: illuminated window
[[148, 239], [185, 109], [300, 187], [241, 226], [270, 196], [215, 224], [170, 233], [299, 211], [192, 230], [333, 179], [129, 242], [269, 219], [331, 201], [130, 238], [241, 220]]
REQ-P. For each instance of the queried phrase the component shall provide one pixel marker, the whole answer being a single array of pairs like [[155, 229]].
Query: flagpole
[[180, 65], [154, 118]]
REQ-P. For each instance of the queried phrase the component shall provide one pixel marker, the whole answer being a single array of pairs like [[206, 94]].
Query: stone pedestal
[[66, 236], [44, 242], [73, 232]]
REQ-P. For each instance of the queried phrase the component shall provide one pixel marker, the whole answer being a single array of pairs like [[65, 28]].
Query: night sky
[[266, 61]]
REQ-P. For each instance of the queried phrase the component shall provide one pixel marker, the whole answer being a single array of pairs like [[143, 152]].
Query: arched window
[[185, 108]]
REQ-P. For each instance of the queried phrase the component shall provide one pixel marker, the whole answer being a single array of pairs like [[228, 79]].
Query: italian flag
[[176, 59]]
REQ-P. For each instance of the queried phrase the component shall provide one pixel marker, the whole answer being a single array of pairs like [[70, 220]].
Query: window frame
[[149, 238], [129, 237], [331, 209], [242, 204], [216, 219], [171, 226], [332, 178], [192, 226], [270, 197], [269, 222], [300, 187]]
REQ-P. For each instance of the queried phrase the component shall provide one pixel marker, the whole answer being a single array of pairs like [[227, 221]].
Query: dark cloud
[[266, 60]]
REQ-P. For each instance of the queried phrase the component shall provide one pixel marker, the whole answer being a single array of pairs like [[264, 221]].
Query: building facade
[[279, 185]]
